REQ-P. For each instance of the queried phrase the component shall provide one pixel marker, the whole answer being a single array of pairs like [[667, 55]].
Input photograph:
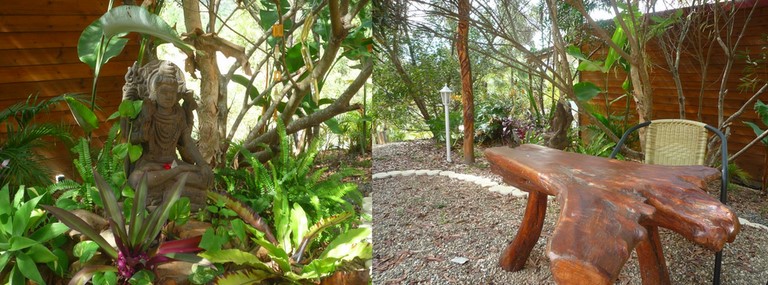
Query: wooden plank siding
[[38, 55], [665, 98]]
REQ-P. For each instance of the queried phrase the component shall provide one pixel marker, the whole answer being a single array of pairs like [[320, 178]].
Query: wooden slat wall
[[665, 98], [38, 55]]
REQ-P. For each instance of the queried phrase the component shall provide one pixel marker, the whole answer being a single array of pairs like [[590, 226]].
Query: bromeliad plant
[[134, 237], [291, 259]]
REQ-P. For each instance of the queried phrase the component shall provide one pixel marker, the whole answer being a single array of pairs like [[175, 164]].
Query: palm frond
[[23, 166]]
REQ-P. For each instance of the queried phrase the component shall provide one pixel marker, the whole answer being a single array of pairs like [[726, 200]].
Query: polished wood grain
[[653, 267], [517, 252], [608, 208]]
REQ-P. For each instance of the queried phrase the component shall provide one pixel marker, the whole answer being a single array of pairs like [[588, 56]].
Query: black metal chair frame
[[723, 184]]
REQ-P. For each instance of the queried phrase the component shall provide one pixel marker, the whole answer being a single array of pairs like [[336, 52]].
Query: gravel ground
[[422, 222]]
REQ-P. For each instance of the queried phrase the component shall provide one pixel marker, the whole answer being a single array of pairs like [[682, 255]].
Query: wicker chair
[[681, 142]]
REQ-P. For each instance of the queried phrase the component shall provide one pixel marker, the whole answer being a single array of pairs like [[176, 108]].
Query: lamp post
[[445, 94]]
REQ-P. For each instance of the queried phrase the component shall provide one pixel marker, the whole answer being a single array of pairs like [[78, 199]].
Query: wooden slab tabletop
[[607, 203]]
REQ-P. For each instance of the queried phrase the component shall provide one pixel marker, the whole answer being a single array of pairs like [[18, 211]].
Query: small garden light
[[445, 94]]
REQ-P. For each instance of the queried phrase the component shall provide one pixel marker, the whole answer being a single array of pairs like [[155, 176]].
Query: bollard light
[[445, 94]]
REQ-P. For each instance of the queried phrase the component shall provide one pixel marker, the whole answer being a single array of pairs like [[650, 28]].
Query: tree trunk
[[557, 137], [466, 82], [209, 136], [764, 182]]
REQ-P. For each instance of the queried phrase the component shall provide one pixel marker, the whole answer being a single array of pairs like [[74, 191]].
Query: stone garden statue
[[162, 128]]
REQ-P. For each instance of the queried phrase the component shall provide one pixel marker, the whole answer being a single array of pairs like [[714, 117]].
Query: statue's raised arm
[[161, 128]]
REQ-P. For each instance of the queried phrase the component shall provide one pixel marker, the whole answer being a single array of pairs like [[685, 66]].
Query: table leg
[[653, 268], [516, 254]]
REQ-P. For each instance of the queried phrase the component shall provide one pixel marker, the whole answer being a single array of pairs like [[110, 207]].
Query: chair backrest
[[679, 142], [676, 142]]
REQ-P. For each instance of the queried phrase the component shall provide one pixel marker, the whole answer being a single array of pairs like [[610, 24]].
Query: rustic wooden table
[[609, 208]]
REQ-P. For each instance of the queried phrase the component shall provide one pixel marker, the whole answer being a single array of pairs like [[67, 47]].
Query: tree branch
[[339, 106]]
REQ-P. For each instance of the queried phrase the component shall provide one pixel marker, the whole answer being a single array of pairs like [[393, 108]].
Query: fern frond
[[83, 162], [104, 163], [65, 185], [285, 145]]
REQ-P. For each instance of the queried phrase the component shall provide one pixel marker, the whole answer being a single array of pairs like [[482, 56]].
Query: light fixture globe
[[445, 94]]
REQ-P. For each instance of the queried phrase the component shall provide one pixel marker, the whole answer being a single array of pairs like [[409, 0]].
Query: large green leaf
[[620, 39], [84, 275], [41, 254], [61, 265], [130, 108], [299, 224], [235, 256], [20, 242], [268, 18], [4, 258], [85, 250], [293, 58], [277, 254], [585, 91], [159, 216], [762, 111], [143, 277], [333, 126], [49, 231], [591, 65], [111, 207], [757, 131], [16, 277], [28, 268], [75, 223], [22, 215], [211, 242], [318, 268], [134, 152], [5, 201], [317, 228], [138, 213], [270, 14], [105, 278], [90, 44], [341, 246], [84, 116], [18, 197], [245, 82], [129, 18], [575, 52]]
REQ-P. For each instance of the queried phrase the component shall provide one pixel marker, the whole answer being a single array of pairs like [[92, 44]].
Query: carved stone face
[[166, 95]]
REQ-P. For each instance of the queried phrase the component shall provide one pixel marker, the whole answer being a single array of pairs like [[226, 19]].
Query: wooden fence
[[38, 55], [700, 88]]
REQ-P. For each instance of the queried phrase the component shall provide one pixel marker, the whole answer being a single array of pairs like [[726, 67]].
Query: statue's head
[[164, 86]]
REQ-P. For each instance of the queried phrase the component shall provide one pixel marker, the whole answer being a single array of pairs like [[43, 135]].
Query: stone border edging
[[492, 186], [481, 181]]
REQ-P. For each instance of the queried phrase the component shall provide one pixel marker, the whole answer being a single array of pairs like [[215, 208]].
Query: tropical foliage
[[287, 248], [26, 236], [20, 163], [320, 194], [134, 235]]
